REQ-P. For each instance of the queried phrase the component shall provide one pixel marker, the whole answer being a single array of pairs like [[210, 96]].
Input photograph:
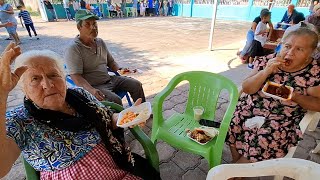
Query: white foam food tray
[[265, 87], [210, 131], [143, 110]]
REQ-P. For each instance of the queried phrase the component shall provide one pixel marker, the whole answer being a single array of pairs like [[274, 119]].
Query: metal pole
[[213, 23]]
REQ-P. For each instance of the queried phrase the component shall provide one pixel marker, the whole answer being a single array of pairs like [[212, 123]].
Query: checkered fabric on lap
[[96, 165]]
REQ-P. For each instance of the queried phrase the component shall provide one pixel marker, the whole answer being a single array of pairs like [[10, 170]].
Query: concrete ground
[[161, 47]]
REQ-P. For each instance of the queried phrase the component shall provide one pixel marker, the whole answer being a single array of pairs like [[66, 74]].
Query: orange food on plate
[[128, 117]]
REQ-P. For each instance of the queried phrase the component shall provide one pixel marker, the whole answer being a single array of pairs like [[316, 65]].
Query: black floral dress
[[281, 128]]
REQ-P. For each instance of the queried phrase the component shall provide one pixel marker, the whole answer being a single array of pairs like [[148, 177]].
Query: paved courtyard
[[161, 47]]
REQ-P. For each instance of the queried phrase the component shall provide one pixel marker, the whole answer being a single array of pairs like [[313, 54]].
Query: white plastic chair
[[310, 122], [298, 169]]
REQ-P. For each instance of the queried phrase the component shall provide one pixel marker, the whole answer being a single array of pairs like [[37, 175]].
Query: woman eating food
[[279, 130], [63, 133]]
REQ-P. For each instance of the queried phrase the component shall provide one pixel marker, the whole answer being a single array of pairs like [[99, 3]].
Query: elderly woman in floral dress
[[294, 67], [63, 133]]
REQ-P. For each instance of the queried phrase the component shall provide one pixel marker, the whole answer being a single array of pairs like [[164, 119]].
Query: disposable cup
[[198, 112]]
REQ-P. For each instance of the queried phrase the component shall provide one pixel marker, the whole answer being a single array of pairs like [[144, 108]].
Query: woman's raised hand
[[274, 64], [9, 80]]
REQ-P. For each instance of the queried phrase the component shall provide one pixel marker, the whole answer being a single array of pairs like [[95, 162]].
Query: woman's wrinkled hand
[[274, 64], [9, 80]]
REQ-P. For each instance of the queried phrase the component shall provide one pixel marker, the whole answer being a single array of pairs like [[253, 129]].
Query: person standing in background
[[66, 4], [150, 7], [142, 9], [82, 4], [25, 15], [313, 3], [134, 8], [76, 5], [156, 8], [170, 7], [161, 8], [7, 15], [165, 8], [50, 8], [138, 8]]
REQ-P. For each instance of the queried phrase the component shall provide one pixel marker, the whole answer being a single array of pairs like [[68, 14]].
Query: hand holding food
[[135, 115], [123, 71], [274, 64]]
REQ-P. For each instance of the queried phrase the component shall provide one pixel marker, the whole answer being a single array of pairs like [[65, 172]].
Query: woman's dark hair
[[298, 18], [303, 31]]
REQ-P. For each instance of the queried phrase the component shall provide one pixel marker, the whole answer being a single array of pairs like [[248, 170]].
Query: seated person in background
[[119, 11], [250, 35], [313, 3], [297, 21], [280, 131], [315, 17], [287, 17], [260, 38], [63, 133], [112, 11], [88, 59]]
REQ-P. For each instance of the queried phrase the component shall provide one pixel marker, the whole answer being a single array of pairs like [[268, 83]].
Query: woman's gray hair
[[305, 31], [25, 57]]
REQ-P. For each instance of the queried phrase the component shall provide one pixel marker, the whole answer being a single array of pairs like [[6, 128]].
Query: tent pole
[[213, 23]]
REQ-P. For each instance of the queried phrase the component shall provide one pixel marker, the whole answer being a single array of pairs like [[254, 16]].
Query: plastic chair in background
[[205, 88], [129, 11], [150, 150]]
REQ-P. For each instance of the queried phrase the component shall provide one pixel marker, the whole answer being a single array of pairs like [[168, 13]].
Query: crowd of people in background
[[143, 8], [137, 8]]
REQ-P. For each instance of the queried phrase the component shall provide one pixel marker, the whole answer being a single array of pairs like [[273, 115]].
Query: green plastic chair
[[204, 91], [129, 11], [149, 148]]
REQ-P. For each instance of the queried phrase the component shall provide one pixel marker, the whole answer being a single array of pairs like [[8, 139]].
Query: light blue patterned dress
[[47, 149]]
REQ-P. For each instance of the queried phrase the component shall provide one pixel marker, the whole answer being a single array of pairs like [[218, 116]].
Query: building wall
[[233, 12]]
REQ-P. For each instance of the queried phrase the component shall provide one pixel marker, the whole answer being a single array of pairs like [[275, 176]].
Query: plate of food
[[125, 71], [134, 115], [202, 135], [277, 91]]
